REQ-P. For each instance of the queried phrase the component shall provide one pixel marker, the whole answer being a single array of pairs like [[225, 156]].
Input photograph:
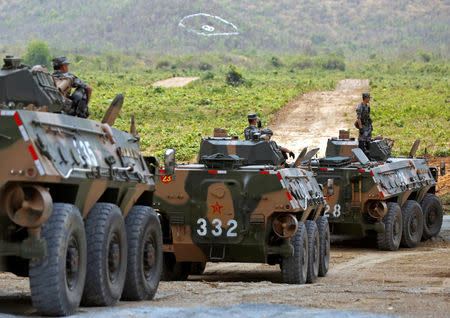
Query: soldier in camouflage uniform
[[267, 134], [253, 127], [364, 123], [65, 81]]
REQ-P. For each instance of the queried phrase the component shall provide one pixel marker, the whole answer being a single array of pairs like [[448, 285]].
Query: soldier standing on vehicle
[[65, 81], [364, 123], [253, 127]]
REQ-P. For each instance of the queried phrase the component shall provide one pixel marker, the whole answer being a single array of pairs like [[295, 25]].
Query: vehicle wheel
[[145, 256], [412, 223], [294, 269], [173, 270], [432, 216], [197, 268], [324, 237], [107, 255], [57, 280], [389, 240], [313, 251]]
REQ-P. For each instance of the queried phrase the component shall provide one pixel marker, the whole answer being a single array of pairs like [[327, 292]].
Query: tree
[[38, 53]]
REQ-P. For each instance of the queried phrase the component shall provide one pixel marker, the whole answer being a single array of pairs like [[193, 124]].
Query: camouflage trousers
[[364, 138]]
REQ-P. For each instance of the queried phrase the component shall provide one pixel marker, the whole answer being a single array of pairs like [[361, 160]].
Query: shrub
[[204, 66], [234, 76], [303, 63], [38, 53], [426, 57], [162, 64], [275, 61], [207, 76], [331, 63]]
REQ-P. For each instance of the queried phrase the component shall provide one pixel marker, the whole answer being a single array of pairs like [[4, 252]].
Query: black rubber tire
[[433, 214], [294, 269], [313, 251], [173, 270], [389, 240], [197, 268], [53, 291], [105, 230], [324, 237], [145, 256], [412, 224]]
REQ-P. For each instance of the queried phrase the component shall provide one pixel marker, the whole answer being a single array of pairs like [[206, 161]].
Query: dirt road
[[409, 282], [316, 116], [175, 82]]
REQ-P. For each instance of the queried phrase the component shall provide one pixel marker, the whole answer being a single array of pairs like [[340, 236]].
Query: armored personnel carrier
[[392, 198], [75, 200], [241, 203]]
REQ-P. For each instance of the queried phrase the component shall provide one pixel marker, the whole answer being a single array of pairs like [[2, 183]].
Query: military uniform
[[249, 131], [365, 133], [74, 81]]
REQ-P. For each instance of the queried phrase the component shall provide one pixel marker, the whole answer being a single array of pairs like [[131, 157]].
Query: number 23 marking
[[217, 230], [336, 212]]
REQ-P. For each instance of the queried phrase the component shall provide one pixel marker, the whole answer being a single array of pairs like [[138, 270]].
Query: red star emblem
[[217, 208]]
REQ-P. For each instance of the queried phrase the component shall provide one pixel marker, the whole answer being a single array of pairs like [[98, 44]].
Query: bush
[[426, 57], [38, 53], [204, 66], [234, 77], [207, 76], [162, 64], [331, 63], [275, 61], [303, 63]]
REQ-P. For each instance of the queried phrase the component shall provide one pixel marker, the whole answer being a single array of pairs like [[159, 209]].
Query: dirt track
[[311, 119], [409, 282], [175, 82]]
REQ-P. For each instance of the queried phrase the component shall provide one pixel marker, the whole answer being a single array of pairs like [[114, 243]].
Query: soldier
[[364, 123], [253, 127], [65, 81], [266, 134]]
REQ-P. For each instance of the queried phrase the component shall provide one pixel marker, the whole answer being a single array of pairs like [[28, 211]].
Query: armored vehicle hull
[[392, 198], [75, 204], [232, 207]]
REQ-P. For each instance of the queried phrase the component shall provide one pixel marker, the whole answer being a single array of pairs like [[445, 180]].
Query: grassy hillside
[[411, 99], [359, 28]]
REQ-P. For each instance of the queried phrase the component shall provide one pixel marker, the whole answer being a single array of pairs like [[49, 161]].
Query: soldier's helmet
[[267, 131], [366, 95], [60, 61], [252, 117]]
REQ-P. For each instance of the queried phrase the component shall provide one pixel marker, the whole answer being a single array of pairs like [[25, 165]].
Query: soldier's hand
[[292, 155]]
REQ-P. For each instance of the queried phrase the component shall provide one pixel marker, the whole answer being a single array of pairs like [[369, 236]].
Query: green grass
[[411, 100]]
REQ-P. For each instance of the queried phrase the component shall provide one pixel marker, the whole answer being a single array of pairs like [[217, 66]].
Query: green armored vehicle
[[391, 198], [242, 203], [75, 200]]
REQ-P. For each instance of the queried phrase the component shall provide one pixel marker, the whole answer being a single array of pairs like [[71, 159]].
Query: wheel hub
[[72, 263], [149, 256], [113, 257]]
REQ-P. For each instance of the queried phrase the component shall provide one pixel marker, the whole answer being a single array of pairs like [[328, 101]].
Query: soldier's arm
[[79, 83], [358, 116]]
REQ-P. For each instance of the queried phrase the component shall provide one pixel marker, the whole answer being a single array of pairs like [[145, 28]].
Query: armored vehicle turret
[[242, 203], [394, 198], [75, 200]]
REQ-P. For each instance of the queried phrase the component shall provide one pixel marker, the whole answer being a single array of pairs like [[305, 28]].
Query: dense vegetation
[[411, 99], [150, 27]]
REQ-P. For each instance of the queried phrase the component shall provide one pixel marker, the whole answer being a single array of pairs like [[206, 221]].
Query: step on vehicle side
[[240, 203], [393, 198], [75, 200]]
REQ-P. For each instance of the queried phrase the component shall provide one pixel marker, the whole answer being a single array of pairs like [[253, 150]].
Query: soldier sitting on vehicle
[[77, 103], [253, 127], [267, 134]]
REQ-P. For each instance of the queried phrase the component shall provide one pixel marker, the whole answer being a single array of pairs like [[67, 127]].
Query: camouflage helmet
[[267, 131], [60, 61], [252, 117], [366, 95]]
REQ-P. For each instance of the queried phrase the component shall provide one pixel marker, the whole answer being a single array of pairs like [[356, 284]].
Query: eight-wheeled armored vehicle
[[75, 200], [393, 198], [241, 203]]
